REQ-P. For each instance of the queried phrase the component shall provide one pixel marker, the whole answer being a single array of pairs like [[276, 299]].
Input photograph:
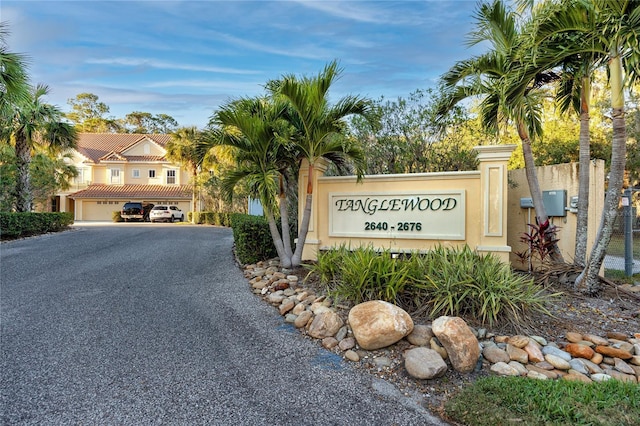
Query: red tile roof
[[134, 191], [94, 146]]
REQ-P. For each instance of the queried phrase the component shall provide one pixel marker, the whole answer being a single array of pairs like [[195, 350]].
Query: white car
[[166, 213]]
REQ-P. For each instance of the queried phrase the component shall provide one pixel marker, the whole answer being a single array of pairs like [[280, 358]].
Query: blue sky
[[185, 58]]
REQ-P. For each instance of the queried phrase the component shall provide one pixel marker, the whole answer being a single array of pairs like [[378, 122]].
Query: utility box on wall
[[555, 202]]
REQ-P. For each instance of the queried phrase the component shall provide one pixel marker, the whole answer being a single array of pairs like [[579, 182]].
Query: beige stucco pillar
[[493, 201], [312, 243]]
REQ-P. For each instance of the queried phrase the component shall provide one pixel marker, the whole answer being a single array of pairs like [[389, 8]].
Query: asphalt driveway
[[155, 324]]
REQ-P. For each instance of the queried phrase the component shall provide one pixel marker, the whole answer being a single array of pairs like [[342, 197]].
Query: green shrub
[[211, 218], [15, 225], [116, 217], [444, 281], [252, 238]]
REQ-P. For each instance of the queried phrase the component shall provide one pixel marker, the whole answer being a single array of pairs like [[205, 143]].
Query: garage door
[[100, 210]]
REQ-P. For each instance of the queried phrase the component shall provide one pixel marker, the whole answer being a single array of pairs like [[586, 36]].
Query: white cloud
[[136, 62]]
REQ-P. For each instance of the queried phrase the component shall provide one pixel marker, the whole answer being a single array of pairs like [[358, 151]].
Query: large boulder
[[377, 324], [458, 339]]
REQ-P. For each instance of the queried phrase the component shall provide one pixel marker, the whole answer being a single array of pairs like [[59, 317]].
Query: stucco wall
[[465, 207], [551, 178]]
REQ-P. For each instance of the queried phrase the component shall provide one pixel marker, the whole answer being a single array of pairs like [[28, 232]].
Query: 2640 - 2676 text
[[400, 226]]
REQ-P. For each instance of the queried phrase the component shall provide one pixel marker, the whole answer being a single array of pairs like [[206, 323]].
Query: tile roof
[[134, 191], [94, 146]]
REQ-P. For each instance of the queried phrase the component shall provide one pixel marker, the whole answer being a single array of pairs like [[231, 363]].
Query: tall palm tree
[[616, 38], [14, 86], [36, 123], [182, 148], [319, 130], [490, 76]]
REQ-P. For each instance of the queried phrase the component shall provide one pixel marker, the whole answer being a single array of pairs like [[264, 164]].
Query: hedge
[[16, 225], [210, 218], [252, 237]]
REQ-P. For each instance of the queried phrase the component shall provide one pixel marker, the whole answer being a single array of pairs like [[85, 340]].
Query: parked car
[[166, 213], [136, 211]]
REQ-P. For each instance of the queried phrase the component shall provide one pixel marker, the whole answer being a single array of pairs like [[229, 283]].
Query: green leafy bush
[[252, 238], [210, 218], [15, 225], [116, 217], [443, 281]]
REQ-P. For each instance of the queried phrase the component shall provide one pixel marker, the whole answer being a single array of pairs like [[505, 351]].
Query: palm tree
[[14, 86], [183, 148], [319, 130], [491, 76], [36, 123], [616, 38], [254, 128]]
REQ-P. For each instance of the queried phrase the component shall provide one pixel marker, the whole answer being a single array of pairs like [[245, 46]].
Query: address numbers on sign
[[419, 215]]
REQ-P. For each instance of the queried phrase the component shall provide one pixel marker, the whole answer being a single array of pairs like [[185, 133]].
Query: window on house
[[115, 175], [135, 173], [83, 175], [152, 173], [171, 177]]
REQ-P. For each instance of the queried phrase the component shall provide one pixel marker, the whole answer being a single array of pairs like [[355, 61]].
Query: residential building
[[115, 168]]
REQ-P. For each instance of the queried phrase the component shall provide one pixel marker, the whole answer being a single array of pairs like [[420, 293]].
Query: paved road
[[154, 324]]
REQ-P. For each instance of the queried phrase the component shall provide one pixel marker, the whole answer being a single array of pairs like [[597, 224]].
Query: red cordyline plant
[[540, 239]]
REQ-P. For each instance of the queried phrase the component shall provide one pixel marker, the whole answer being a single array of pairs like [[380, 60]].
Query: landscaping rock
[[494, 354], [421, 335], [613, 352], [461, 345], [424, 363], [579, 351], [326, 324], [377, 324]]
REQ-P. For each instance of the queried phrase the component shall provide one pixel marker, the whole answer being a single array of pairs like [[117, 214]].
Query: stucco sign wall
[[429, 215]]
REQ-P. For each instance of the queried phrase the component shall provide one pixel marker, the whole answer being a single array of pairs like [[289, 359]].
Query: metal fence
[[623, 253]]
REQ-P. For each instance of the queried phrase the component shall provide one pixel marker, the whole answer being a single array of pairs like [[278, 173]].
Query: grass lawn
[[521, 401], [616, 246]]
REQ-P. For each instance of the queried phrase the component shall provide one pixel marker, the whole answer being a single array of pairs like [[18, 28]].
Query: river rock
[[347, 343], [518, 366], [531, 374], [352, 356], [533, 350], [421, 335], [573, 337], [518, 341], [433, 343], [578, 366], [623, 367], [303, 319], [504, 369], [458, 339], [424, 363], [556, 352], [329, 342], [377, 324], [592, 367], [286, 306], [596, 339], [557, 362], [617, 335], [600, 377], [579, 351], [494, 354], [547, 373], [576, 377], [517, 354], [326, 324], [621, 376], [613, 352], [299, 308]]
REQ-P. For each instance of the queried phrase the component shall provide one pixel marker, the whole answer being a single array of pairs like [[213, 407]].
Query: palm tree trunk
[[296, 260], [285, 259], [588, 280], [194, 195], [534, 189], [24, 197], [582, 224], [284, 219]]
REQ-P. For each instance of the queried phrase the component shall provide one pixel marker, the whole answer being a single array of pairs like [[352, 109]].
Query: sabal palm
[[36, 123], [319, 130], [14, 87], [490, 76]]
